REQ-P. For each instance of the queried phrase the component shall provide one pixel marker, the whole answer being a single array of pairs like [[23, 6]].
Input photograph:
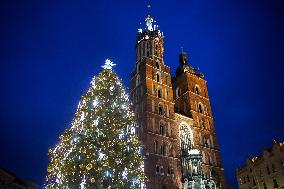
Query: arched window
[[163, 149], [155, 146], [158, 76], [158, 66], [185, 135], [159, 92], [200, 108], [161, 109], [197, 89], [162, 128], [178, 92], [137, 80]]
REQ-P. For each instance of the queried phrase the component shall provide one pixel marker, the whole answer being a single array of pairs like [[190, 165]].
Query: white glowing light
[[108, 64], [95, 103], [83, 183]]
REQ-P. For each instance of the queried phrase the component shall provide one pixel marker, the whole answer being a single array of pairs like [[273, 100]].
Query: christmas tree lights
[[100, 149]]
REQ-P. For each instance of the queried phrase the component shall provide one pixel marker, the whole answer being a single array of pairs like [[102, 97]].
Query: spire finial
[[148, 6], [181, 49]]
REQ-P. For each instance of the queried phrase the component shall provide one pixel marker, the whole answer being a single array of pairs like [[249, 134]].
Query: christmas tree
[[100, 149]]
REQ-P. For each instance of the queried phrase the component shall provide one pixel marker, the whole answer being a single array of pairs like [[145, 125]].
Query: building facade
[[174, 114], [9, 181], [265, 171]]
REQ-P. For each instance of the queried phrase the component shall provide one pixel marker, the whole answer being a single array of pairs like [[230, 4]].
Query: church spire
[[149, 20], [148, 6]]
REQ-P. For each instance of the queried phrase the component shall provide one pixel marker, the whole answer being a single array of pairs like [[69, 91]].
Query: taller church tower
[[151, 93], [174, 114]]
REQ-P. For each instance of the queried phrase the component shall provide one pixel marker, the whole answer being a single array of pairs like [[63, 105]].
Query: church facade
[[173, 113]]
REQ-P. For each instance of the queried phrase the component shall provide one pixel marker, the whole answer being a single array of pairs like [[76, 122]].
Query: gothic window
[[178, 92], [162, 129], [155, 146], [162, 149], [153, 106], [170, 171], [159, 170], [161, 109], [200, 108], [137, 80], [159, 92], [197, 89], [159, 77], [158, 66], [185, 138]]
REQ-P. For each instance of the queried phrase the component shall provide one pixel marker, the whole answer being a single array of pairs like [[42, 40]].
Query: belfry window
[[162, 149], [170, 171], [159, 170], [158, 66], [155, 146], [158, 77], [197, 89], [200, 108], [161, 110], [162, 129], [160, 93]]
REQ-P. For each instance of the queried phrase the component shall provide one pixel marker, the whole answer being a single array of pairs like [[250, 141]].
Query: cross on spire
[[148, 6]]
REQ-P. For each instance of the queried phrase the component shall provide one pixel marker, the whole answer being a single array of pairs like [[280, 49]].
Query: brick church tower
[[173, 113]]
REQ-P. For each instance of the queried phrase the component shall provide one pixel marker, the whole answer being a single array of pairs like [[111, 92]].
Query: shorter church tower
[[192, 106]]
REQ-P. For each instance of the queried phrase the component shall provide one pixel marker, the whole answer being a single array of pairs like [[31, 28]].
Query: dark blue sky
[[51, 49]]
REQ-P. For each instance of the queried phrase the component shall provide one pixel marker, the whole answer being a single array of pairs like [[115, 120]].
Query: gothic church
[[174, 115]]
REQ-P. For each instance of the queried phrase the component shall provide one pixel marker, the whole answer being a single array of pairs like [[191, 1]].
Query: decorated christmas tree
[[100, 149]]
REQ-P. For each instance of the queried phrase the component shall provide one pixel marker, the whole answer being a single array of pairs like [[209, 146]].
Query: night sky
[[50, 50]]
